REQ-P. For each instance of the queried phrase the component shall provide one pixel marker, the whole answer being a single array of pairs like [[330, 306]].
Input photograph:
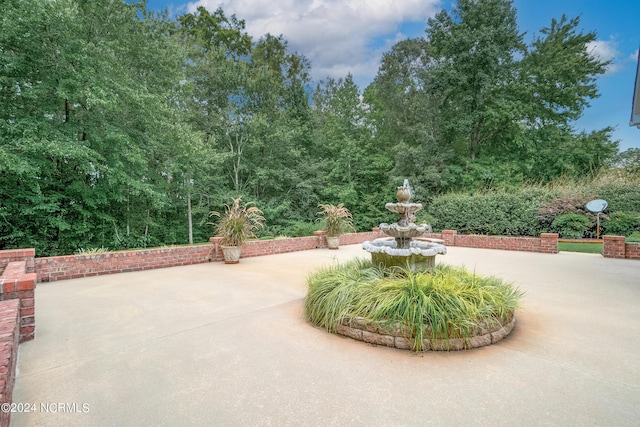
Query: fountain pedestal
[[402, 249]]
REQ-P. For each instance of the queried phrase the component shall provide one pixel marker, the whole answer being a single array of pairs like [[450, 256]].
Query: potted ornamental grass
[[237, 224], [336, 220]]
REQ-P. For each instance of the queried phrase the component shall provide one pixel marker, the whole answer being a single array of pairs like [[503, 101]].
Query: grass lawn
[[590, 248]]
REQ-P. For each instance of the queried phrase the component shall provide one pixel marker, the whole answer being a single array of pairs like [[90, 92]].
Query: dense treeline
[[120, 127]]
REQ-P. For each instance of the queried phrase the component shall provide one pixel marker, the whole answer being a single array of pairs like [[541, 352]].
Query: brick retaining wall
[[254, 248], [546, 243], [354, 238], [9, 336], [50, 269], [75, 266]]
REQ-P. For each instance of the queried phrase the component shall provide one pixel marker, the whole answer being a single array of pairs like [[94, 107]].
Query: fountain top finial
[[404, 193]]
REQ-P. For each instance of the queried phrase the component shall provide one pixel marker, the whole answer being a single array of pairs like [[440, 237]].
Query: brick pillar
[[26, 255], [322, 242], [549, 243], [16, 283], [632, 250], [614, 247], [449, 237]]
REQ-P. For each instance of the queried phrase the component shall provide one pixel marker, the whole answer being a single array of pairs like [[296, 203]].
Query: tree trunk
[[190, 219], [128, 209]]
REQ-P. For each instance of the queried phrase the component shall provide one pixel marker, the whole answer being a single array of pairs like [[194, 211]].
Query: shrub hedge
[[495, 213], [622, 223], [621, 195], [531, 210], [571, 226]]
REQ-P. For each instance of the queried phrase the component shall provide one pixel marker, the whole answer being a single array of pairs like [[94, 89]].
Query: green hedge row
[[495, 213], [531, 210]]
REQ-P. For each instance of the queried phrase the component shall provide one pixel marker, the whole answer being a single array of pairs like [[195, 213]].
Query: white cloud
[[337, 36], [606, 51]]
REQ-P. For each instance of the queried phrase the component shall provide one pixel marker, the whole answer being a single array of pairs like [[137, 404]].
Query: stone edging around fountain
[[362, 330]]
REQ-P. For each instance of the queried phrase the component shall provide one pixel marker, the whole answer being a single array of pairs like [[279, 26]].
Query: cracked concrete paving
[[216, 344]]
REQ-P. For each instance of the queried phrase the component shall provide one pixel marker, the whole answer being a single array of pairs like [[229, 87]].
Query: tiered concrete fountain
[[404, 248]]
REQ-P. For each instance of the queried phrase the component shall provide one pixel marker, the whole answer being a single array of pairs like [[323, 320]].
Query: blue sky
[[342, 36]]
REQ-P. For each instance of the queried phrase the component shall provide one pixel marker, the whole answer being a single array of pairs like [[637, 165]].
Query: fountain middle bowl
[[404, 231]]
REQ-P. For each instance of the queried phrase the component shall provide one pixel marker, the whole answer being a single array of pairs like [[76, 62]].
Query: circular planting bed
[[445, 308], [399, 336]]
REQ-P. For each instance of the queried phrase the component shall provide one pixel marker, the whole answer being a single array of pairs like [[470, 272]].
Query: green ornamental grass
[[446, 302]]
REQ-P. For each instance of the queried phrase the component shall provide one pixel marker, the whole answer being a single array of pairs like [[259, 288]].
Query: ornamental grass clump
[[443, 303], [238, 222], [336, 220]]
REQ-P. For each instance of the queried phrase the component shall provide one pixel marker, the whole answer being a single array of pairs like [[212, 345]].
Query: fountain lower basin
[[420, 255]]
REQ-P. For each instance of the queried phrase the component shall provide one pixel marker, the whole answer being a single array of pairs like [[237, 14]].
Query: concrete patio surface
[[216, 344]]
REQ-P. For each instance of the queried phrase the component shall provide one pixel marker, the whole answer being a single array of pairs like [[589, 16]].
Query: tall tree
[[557, 80], [408, 118], [474, 50], [559, 74], [84, 96], [251, 103], [355, 170], [471, 106]]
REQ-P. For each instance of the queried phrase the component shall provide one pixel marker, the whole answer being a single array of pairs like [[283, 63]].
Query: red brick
[[27, 302], [27, 311], [9, 285], [24, 294], [27, 337], [27, 282], [27, 329]]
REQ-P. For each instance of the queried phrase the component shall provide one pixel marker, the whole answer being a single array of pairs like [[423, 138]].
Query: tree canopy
[[120, 127]]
